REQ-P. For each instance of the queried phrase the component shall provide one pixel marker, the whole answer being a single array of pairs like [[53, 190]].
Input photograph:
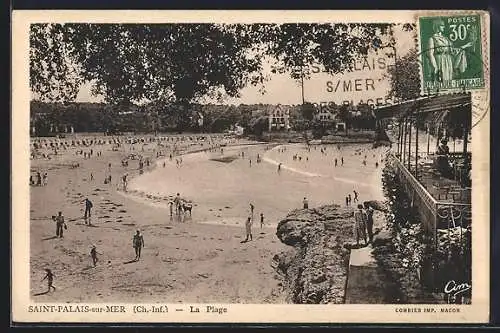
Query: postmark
[[451, 53]]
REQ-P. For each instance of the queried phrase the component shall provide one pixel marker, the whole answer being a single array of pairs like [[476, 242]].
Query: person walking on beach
[[177, 202], [248, 227], [347, 201], [279, 168], [125, 182], [50, 279], [336, 162], [261, 220], [369, 221], [60, 224], [138, 243], [355, 196], [88, 209], [360, 219], [93, 255], [171, 208], [38, 178], [45, 180], [342, 161], [350, 199], [91, 176], [305, 203]]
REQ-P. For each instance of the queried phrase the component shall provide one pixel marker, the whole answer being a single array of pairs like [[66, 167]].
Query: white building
[[325, 116], [279, 118]]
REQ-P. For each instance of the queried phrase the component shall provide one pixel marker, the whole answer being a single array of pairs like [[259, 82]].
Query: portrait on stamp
[[451, 52]]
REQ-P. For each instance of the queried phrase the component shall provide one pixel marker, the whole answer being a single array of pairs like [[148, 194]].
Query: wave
[[311, 174]]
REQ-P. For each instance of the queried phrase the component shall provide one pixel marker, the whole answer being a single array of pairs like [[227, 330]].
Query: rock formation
[[314, 271]]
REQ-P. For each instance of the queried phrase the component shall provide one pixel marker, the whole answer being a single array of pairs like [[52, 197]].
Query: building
[[279, 118], [326, 117], [330, 117]]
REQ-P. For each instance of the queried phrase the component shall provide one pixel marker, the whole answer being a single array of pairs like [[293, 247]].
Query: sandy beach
[[198, 258]]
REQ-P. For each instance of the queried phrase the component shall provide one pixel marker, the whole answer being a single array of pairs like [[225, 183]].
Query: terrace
[[437, 180]]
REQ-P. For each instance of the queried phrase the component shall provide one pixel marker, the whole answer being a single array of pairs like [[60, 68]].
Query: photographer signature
[[453, 288]]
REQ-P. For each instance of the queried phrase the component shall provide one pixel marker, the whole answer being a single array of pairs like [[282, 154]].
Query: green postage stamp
[[451, 54]]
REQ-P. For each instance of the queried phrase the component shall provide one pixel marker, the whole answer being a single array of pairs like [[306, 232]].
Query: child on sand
[[177, 202], [50, 279], [93, 255], [248, 227]]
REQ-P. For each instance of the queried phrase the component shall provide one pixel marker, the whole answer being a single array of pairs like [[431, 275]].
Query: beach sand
[[183, 260]]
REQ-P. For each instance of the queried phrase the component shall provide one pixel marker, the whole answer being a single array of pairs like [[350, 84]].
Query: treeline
[[47, 118], [54, 118]]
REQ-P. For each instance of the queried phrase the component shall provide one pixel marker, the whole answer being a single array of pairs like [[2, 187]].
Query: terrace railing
[[447, 226], [419, 196], [435, 214]]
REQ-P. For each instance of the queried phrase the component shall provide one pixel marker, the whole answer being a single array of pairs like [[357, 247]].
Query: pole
[[404, 141], [438, 137], [428, 139], [416, 148], [409, 147], [466, 135], [302, 84], [403, 122], [399, 138]]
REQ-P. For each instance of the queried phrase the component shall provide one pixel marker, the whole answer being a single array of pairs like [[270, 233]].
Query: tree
[[183, 62], [258, 125], [345, 116], [405, 77], [308, 111]]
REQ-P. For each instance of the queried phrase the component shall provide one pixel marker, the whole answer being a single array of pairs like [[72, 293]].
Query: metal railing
[[434, 213], [448, 229]]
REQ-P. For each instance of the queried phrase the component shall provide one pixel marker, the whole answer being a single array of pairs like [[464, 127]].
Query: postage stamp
[[250, 167], [451, 52]]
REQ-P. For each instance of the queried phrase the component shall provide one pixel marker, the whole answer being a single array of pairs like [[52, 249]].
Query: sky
[[365, 84]]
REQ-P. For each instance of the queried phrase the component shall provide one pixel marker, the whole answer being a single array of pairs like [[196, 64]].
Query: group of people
[[249, 223], [363, 224], [39, 179], [349, 199], [137, 244]]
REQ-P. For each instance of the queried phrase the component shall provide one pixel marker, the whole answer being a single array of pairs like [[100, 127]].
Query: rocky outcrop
[[314, 271]]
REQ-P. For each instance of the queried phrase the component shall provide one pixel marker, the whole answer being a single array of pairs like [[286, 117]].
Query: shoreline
[[154, 188], [190, 260]]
